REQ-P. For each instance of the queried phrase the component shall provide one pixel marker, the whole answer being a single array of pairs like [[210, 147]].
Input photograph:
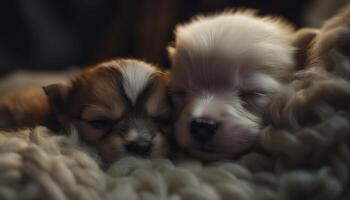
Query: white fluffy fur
[[264, 41], [238, 60], [135, 79]]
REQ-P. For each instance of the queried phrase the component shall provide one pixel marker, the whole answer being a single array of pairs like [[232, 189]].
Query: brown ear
[[303, 40], [56, 94]]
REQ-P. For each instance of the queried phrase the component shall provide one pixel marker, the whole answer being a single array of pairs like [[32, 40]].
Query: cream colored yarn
[[38, 165]]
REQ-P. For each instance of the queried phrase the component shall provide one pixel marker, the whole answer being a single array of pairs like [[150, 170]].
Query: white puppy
[[225, 69]]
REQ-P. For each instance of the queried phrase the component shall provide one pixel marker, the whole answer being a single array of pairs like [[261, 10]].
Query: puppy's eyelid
[[250, 93], [100, 123], [91, 111], [178, 92], [163, 119]]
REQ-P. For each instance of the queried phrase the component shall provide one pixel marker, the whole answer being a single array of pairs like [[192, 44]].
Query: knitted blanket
[[314, 164]]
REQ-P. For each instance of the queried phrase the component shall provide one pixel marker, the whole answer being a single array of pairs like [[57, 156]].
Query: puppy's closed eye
[[163, 120], [253, 100], [179, 93], [246, 95], [101, 123]]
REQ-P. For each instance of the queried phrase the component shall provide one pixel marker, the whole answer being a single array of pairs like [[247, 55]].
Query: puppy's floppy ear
[[56, 94], [303, 40]]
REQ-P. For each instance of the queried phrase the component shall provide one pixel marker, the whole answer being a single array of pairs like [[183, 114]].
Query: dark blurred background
[[58, 34]]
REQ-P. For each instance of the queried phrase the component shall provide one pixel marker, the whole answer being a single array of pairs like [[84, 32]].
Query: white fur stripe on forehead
[[135, 78]]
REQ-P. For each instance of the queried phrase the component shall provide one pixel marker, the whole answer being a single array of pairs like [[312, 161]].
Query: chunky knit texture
[[37, 165]]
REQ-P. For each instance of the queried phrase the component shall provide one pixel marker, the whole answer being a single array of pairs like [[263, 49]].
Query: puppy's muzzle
[[139, 147], [203, 130]]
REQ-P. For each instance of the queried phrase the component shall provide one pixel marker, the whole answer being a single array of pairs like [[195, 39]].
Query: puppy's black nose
[[139, 147], [203, 130]]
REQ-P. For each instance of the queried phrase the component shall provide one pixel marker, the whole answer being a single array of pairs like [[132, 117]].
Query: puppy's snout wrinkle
[[139, 147], [203, 130]]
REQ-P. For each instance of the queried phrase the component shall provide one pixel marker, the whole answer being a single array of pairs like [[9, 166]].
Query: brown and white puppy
[[120, 107], [117, 108], [225, 68]]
